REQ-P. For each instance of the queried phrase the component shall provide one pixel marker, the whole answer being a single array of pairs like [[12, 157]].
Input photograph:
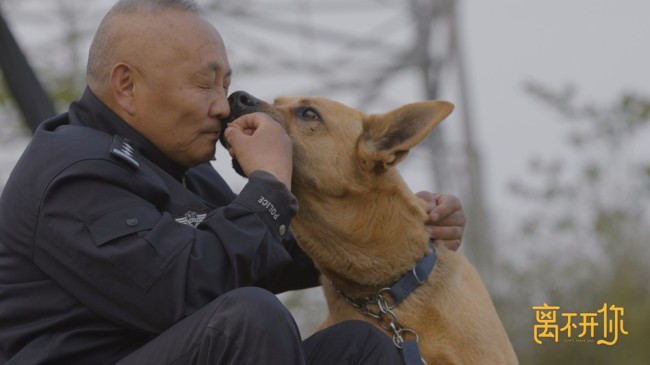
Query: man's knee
[[252, 297], [222, 333], [253, 316], [251, 306], [351, 342], [361, 331]]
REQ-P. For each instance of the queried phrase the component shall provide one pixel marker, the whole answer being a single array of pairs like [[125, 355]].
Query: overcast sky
[[599, 46]]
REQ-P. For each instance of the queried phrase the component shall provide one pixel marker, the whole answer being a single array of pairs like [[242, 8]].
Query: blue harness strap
[[411, 353], [401, 289]]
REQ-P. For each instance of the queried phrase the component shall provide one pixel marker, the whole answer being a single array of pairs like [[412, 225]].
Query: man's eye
[[310, 114]]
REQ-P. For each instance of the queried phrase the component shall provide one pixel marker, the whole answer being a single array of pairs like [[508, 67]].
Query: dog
[[364, 229]]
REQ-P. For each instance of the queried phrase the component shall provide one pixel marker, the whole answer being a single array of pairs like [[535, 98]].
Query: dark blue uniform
[[105, 242], [110, 251]]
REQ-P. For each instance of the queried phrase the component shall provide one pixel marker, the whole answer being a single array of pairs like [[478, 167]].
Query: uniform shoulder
[[68, 143]]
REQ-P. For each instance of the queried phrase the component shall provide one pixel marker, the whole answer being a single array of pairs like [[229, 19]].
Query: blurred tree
[[586, 232], [8, 115], [63, 75], [34, 103]]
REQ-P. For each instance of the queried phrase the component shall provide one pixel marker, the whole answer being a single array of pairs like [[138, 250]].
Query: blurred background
[[548, 147]]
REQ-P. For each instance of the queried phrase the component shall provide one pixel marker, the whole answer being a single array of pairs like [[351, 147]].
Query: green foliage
[[4, 93], [586, 227], [10, 123], [593, 123], [63, 89]]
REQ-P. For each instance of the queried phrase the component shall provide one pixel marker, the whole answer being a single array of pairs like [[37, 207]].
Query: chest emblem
[[191, 218]]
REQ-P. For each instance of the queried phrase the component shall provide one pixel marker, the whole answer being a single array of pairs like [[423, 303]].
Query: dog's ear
[[387, 138]]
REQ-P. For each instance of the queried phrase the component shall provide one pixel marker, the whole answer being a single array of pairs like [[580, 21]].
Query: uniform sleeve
[[300, 272], [103, 235]]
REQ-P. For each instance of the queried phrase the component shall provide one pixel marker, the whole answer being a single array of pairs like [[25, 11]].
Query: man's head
[[163, 69]]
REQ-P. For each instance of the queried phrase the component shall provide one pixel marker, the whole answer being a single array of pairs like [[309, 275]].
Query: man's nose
[[220, 108]]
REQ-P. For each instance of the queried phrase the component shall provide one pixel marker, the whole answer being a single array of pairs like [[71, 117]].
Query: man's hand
[[446, 221], [260, 143]]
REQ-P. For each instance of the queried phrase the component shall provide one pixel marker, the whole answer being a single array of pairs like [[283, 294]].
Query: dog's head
[[338, 148]]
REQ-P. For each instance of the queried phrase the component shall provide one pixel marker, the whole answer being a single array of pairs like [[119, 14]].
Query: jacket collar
[[91, 112]]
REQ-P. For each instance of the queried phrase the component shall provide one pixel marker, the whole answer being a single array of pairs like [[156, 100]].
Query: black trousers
[[251, 326]]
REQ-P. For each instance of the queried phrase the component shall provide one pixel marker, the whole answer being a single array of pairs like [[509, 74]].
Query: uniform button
[[282, 230], [132, 222]]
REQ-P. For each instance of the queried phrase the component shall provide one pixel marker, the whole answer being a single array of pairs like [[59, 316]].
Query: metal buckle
[[420, 281]]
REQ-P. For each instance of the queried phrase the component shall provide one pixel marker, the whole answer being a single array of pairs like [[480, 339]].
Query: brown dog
[[364, 228]]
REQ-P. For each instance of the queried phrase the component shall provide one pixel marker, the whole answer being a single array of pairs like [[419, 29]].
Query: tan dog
[[364, 228]]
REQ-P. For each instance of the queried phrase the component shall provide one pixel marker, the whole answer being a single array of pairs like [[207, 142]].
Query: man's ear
[[387, 138], [123, 87]]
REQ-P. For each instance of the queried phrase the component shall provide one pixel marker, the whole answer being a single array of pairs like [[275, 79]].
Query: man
[[120, 244]]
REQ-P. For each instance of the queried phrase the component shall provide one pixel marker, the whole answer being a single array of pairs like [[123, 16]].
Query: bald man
[[120, 243]]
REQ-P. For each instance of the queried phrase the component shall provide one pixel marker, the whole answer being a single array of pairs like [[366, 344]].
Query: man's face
[[182, 87]]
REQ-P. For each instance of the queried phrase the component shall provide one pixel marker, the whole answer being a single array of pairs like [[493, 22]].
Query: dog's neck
[[379, 232]]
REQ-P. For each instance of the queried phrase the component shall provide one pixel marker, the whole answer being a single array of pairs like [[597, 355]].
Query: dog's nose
[[241, 103], [241, 100]]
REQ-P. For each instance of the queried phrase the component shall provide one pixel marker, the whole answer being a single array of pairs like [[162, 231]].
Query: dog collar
[[400, 289], [384, 312], [414, 278]]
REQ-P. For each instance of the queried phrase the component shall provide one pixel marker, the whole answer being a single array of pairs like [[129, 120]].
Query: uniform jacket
[[105, 242]]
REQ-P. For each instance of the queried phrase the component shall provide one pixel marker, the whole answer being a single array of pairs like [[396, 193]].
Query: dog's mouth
[[241, 103]]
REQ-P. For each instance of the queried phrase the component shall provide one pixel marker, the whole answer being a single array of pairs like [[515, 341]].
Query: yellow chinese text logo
[[606, 324]]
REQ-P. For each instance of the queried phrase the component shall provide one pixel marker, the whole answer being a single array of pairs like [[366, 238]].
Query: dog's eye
[[309, 114]]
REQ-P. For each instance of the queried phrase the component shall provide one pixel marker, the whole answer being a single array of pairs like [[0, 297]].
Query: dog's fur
[[364, 228]]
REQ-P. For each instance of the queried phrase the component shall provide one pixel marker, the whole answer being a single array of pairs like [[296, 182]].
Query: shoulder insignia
[[123, 149]]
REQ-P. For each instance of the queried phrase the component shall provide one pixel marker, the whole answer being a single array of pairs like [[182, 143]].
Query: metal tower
[[370, 53]]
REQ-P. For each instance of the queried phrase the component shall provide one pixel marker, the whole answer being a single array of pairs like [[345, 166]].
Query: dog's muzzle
[[241, 103]]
